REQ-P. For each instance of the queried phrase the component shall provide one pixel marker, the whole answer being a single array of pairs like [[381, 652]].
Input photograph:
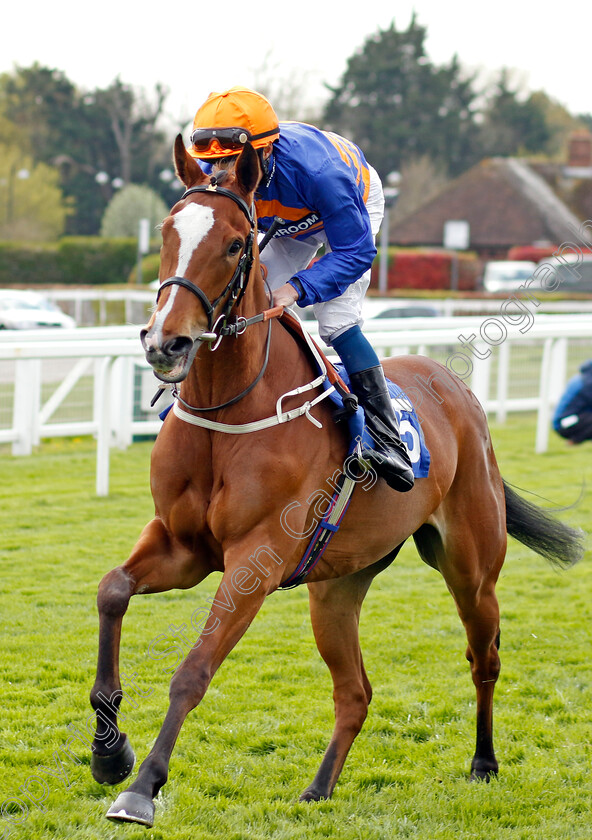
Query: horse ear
[[248, 170], [187, 168]]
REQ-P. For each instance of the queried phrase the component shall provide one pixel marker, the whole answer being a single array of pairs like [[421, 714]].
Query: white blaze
[[192, 223], [155, 338]]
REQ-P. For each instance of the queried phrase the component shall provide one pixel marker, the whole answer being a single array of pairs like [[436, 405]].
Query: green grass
[[256, 740]]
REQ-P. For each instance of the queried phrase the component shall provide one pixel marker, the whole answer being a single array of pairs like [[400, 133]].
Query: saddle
[[346, 405]]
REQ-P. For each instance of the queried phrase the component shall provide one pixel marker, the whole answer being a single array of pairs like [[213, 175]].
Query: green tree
[[560, 123], [513, 125], [127, 207], [32, 205], [398, 106], [61, 130], [11, 134], [94, 138], [44, 104]]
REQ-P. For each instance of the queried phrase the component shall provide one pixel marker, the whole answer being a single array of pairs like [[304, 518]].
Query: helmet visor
[[212, 142], [229, 139]]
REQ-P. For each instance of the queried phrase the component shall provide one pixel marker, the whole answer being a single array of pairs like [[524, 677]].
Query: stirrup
[[398, 476], [349, 407]]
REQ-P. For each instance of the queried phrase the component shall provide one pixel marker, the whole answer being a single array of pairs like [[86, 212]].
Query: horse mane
[[224, 165], [217, 178]]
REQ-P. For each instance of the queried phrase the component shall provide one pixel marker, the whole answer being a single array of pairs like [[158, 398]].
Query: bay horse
[[237, 480]]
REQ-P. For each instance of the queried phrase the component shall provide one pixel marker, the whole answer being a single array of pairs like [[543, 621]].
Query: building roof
[[505, 202]]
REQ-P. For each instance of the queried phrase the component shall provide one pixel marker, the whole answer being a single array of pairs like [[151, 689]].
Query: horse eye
[[235, 248]]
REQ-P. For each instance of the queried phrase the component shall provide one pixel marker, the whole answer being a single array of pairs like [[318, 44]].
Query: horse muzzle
[[172, 359]]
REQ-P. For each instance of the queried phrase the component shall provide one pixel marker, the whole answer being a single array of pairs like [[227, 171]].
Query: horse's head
[[206, 256]]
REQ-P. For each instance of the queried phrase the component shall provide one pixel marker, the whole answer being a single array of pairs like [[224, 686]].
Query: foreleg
[[237, 602], [157, 564]]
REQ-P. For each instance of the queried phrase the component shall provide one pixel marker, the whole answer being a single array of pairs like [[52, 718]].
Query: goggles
[[229, 139]]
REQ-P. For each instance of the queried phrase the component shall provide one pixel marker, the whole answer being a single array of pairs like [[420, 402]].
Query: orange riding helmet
[[227, 120]]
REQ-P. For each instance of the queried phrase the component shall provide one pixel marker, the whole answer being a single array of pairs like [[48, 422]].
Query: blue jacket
[[319, 181], [577, 397]]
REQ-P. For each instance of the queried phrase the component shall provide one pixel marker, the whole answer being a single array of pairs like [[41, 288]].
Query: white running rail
[[40, 371]]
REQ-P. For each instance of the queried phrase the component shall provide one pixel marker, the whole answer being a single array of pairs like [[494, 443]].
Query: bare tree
[[287, 93], [421, 180], [133, 121]]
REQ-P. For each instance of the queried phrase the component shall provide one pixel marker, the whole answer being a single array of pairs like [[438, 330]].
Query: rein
[[238, 397], [280, 415]]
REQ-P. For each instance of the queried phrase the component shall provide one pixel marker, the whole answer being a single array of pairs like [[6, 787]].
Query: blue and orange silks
[[318, 183]]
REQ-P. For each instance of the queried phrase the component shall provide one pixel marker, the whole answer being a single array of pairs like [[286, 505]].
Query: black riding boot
[[389, 457]]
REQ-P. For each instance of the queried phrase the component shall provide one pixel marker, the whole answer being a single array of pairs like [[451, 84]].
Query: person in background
[[329, 197], [573, 415]]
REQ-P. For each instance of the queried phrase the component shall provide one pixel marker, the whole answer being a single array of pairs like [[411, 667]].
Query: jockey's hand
[[286, 295]]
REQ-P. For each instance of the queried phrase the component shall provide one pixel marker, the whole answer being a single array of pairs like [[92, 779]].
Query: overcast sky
[[194, 48]]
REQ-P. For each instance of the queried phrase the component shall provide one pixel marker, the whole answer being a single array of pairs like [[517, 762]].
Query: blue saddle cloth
[[409, 425]]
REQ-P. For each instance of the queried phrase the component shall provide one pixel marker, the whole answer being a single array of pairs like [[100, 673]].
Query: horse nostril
[[177, 346]]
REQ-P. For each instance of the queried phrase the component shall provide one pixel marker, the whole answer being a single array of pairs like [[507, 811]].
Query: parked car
[[385, 308], [507, 275], [23, 310], [404, 309], [570, 273]]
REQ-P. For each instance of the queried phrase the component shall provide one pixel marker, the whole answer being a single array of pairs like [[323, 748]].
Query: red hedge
[[534, 253], [428, 270]]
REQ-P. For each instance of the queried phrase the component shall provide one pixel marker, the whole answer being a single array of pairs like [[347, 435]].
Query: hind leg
[[335, 611], [480, 616], [155, 565], [470, 564]]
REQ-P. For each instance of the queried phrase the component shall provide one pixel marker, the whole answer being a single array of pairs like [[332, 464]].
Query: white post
[[480, 378], [143, 245], [128, 306], [558, 370], [391, 194], [383, 262], [103, 416], [27, 400], [544, 413], [503, 379], [122, 401]]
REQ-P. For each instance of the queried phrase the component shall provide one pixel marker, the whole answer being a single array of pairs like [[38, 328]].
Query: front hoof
[[113, 769], [132, 807], [311, 795], [483, 774]]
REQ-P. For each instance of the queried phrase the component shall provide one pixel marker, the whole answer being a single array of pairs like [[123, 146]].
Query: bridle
[[234, 290], [236, 286]]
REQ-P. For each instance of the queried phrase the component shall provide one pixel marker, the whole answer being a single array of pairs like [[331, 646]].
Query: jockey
[[573, 415], [328, 197]]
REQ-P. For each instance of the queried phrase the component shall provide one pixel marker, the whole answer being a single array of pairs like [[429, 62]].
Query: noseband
[[237, 284]]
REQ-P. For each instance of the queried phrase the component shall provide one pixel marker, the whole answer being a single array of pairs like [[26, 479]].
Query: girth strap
[[324, 531]]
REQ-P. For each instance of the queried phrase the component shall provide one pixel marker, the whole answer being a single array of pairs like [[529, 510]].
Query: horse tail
[[537, 529]]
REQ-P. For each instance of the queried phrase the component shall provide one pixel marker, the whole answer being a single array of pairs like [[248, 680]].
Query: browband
[[216, 190]]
